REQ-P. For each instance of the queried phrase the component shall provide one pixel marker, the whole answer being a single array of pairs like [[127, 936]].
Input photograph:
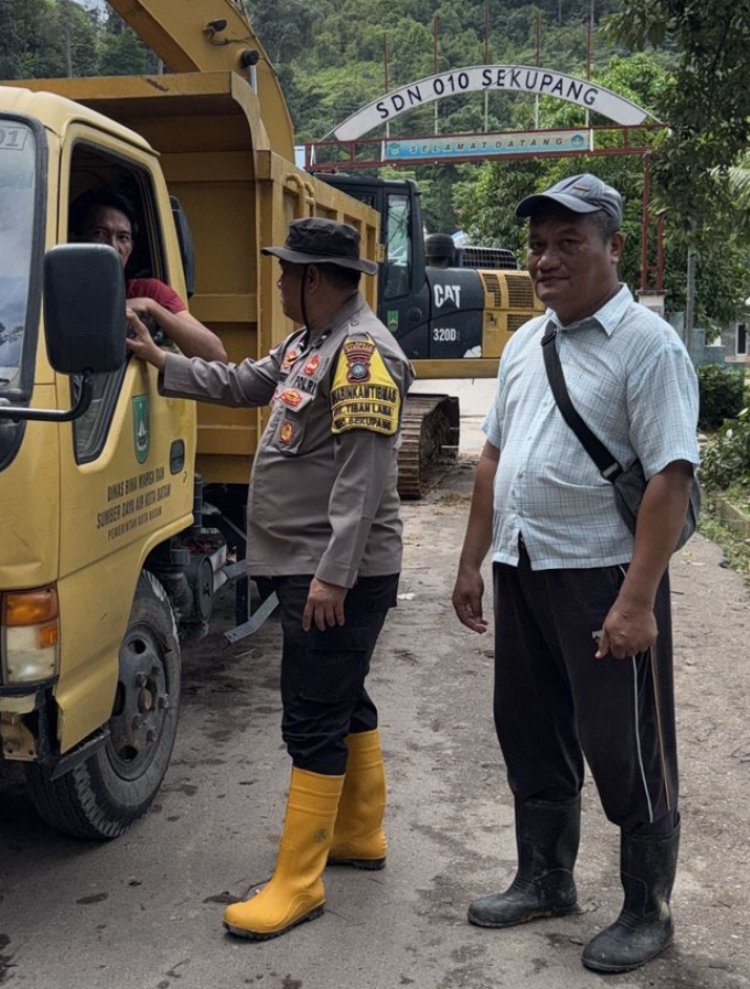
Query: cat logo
[[447, 293], [141, 431]]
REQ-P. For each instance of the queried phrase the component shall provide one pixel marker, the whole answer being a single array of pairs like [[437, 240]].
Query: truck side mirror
[[84, 308]]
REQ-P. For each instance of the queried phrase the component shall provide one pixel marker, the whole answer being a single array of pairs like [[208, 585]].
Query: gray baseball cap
[[581, 194], [318, 240]]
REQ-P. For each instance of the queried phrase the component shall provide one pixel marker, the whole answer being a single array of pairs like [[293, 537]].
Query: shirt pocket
[[292, 407]]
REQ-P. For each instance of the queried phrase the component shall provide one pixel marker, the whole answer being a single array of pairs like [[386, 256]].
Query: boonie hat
[[317, 240], [581, 194]]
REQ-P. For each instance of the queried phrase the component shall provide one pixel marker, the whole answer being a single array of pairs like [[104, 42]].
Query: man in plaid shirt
[[583, 645]]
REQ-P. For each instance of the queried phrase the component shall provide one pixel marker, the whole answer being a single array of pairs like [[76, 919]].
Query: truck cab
[[89, 680]]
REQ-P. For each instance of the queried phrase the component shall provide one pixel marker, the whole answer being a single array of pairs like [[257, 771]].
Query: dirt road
[[144, 912]]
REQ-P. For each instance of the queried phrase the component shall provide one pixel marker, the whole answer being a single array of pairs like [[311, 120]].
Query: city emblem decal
[[141, 427]]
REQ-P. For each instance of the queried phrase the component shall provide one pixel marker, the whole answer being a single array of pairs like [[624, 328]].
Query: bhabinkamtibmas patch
[[364, 395]]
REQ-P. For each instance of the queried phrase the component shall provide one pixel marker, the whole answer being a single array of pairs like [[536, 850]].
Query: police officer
[[323, 524]]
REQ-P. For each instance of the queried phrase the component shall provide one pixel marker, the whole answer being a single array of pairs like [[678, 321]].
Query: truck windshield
[[17, 187]]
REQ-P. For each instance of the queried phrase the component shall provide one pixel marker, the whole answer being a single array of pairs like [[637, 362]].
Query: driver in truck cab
[[105, 217]]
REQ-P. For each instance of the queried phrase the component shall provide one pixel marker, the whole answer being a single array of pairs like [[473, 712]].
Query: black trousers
[[555, 704], [323, 673]]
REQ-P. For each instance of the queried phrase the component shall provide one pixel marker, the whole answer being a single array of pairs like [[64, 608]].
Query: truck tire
[[101, 797]]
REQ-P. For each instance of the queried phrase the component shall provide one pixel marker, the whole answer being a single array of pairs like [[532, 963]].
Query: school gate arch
[[492, 78], [344, 145]]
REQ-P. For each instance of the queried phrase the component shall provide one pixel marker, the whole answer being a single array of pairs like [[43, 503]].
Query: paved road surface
[[144, 912]]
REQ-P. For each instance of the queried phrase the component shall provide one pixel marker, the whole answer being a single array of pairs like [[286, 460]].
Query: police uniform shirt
[[322, 497]]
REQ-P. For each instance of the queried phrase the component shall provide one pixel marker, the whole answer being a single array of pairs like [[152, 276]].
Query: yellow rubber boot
[[295, 891], [358, 838]]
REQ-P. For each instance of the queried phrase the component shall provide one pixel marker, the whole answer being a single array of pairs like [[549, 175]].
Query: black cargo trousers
[[556, 704], [323, 673]]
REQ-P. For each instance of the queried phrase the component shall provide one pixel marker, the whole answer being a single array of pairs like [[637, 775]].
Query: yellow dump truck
[[110, 549], [123, 512]]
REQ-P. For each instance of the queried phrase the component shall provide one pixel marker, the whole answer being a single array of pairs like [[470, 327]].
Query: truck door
[[126, 466]]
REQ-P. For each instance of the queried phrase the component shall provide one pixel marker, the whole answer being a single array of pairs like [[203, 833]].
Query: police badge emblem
[[286, 432], [312, 365], [290, 397], [358, 354], [289, 358]]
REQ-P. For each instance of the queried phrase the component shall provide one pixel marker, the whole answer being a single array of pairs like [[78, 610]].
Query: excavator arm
[[207, 36]]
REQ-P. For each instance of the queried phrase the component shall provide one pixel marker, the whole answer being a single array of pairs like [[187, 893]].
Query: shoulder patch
[[364, 394]]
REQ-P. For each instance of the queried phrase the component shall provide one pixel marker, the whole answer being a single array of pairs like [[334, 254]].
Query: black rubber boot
[[547, 837], [644, 927]]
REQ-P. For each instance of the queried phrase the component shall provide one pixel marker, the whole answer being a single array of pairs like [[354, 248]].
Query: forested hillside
[[332, 55]]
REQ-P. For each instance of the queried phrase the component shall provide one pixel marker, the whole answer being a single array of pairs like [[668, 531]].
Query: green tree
[[121, 53], [46, 38], [706, 102], [284, 29]]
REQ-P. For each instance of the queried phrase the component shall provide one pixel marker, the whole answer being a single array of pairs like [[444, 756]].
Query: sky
[[100, 5]]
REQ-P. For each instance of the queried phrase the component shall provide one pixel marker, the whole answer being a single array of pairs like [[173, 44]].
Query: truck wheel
[[102, 796]]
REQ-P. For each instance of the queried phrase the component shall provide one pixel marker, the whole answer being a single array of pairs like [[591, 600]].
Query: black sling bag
[[628, 483]]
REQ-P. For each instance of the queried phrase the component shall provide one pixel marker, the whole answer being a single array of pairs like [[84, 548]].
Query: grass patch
[[736, 550]]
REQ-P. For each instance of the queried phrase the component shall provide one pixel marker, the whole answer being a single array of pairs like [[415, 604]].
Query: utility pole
[[65, 16], [386, 80], [690, 304], [538, 45], [486, 62], [590, 65], [435, 29]]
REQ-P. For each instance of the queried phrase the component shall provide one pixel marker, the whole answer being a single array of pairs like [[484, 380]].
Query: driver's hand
[[140, 341]]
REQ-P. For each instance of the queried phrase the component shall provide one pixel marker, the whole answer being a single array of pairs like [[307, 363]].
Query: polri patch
[[358, 354]]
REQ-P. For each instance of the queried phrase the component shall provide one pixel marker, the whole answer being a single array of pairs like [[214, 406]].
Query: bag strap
[[608, 466]]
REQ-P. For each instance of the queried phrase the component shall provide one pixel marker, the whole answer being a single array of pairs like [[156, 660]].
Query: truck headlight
[[30, 635]]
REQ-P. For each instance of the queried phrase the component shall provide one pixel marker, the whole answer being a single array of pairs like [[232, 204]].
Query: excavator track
[[429, 441]]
